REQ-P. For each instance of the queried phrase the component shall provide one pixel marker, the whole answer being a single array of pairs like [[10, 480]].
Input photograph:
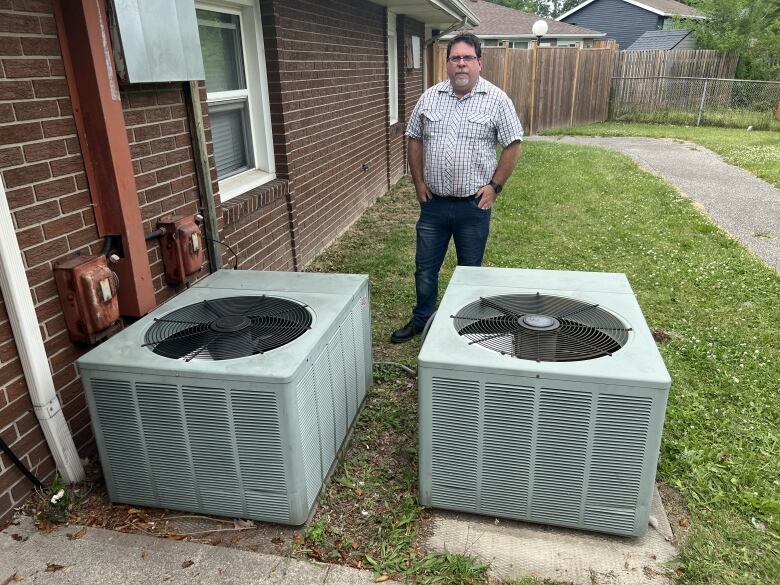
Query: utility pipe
[[32, 354]]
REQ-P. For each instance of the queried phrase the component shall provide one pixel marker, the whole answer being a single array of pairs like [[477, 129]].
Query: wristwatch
[[496, 186]]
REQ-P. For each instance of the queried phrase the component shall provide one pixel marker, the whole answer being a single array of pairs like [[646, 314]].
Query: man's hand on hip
[[423, 193], [486, 197]]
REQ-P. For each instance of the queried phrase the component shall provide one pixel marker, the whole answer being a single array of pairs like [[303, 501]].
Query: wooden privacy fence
[[551, 87], [685, 63]]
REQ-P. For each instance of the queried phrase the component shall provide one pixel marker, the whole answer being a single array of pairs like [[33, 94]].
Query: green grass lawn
[[757, 151], [577, 208]]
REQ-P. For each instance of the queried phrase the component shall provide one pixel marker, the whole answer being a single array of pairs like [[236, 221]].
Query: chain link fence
[[696, 101]]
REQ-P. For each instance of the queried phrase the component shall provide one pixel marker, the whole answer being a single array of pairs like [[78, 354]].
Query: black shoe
[[406, 332]]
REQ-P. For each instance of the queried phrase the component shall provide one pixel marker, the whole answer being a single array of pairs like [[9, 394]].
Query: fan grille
[[228, 328], [540, 327]]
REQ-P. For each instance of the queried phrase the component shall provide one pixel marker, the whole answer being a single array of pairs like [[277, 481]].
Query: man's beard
[[462, 80]]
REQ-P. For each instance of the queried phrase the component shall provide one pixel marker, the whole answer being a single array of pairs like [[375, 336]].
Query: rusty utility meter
[[87, 289], [182, 247]]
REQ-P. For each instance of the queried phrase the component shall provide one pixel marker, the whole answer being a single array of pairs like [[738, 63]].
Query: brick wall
[[46, 189], [329, 120]]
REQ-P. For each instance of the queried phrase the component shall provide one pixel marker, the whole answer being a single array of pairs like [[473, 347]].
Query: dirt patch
[[676, 512]]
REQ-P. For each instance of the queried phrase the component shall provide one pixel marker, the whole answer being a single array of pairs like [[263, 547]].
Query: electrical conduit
[[32, 354]]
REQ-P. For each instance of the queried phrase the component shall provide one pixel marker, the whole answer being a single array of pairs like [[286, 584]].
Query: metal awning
[[435, 13]]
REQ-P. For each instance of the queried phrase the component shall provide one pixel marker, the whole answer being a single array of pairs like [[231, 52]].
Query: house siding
[[328, 98], [620, 20]]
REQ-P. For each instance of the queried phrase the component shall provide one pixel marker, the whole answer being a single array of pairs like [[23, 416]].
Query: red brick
[[158, 114], [16, 389], [66, 108], [15, 90], [152, 163], [36, 214], [67, 166], [56, 67], [61, 127], [146, 132], [140, 150], [26, 175], [55, 188], [50, 88], [44, 150], [46, 252], [178, 156], [168, 174], [163, 144], [20, 133], [63, 225], [29, 237], [6, 507], [73, 145], [7, 351], [10, 157], [36, 110], [6, 113], [77, 201], [135, 117], [17, 68], [41, 46], [10, 46], [48, 26], [27, 423], [20, 197], [40, 6], [45, 291], [142, 99], [173, 127], [19, 23], [38, 274], [64, 377], [8, 372], [82, 238]]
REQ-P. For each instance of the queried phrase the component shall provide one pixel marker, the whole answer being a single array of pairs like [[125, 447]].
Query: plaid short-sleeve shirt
[[460, 136]]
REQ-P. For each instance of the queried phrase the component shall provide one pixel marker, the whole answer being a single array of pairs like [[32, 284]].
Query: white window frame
[[392, 67], [256, 95]]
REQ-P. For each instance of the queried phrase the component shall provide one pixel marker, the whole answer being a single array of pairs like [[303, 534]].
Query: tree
[[749, 28]]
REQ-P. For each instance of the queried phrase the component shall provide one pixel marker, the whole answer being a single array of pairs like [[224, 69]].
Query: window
[[392, 67], [237, 94]]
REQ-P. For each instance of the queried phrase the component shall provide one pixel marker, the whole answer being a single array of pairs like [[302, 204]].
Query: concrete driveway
[[745, 206]]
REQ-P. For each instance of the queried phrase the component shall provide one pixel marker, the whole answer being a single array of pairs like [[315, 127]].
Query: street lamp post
[[539, 29]]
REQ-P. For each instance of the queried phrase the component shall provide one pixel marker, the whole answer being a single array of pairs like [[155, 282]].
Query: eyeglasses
[[466, 59]]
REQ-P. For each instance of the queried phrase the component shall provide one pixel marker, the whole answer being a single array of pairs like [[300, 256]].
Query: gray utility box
[[250, 437], [572, 442]]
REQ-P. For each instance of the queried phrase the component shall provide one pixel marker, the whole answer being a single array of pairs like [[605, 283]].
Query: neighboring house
[[499, 24], [304, 107], [627, 20], [664, 40]]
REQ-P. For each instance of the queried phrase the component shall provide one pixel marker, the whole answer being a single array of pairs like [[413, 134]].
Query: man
[[453, 133]]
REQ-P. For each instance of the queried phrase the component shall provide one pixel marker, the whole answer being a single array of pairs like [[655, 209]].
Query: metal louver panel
[[562, 435], [338, 383], [310, 436], [260, 453], [122, 448], [507, 441], [350, 370], [617, 461], [325, 412], [213, 450], [358, 332], [163, 428], [455, 428]]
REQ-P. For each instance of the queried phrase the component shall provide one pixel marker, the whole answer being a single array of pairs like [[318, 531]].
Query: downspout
[[32, 354]]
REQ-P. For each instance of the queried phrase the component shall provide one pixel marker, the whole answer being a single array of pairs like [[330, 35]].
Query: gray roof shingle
[[500, 20], [663, 40]]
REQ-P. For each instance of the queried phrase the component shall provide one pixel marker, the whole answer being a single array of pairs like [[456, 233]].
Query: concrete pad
[[515, 549], [106, 557]]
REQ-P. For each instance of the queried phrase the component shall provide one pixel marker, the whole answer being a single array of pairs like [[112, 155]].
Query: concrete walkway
[[101, 557], [742, 204]]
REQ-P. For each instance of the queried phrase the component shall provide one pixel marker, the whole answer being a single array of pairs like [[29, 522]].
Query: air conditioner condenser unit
[[541, 398]]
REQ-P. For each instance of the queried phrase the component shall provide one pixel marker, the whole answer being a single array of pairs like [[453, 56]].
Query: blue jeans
[[443, 218]]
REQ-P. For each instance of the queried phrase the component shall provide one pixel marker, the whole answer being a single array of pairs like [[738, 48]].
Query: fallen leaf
[[144, 554], [19, 537], [239, 524], [359, 492], [278, 540], [14, 577], [17, 577], [382, 578], [215, 540], [235, 538], [54, 567], [78, 535], [187, 564], [683, 522]]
